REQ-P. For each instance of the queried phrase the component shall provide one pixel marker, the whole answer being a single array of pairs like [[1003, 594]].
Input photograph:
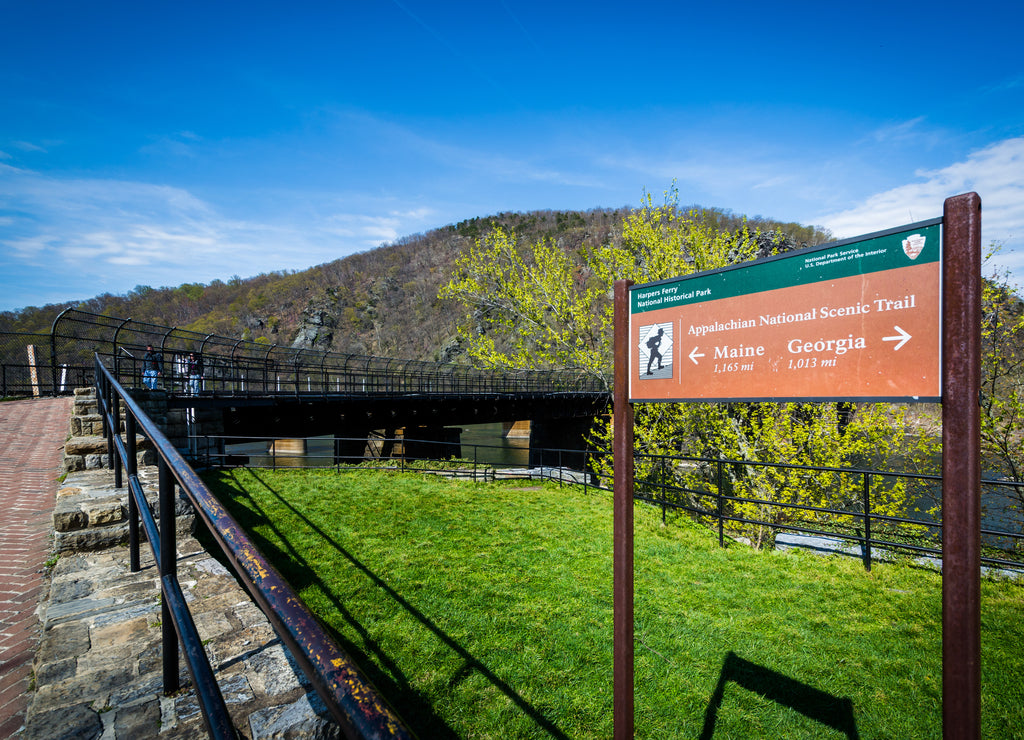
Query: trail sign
[[858, 319]]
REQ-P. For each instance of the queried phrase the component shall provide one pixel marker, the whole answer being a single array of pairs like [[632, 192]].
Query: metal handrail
[[353, 701]]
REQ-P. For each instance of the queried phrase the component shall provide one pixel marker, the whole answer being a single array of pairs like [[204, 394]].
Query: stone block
[[102, 513], [57, 670], [92, 427], [92, 538], [64, 591], [137, 721], [84, 406], [305, 718], [68, 516], [73, 463], [63, 641], [86, 445], [77, 721], [120, 633]]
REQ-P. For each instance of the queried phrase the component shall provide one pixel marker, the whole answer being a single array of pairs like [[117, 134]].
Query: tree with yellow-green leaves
[[544, 306], [1002, 373], [1002, 395]]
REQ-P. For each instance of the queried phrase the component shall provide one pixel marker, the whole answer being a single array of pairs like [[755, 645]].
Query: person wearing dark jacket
[[194, 368], [152, 367]]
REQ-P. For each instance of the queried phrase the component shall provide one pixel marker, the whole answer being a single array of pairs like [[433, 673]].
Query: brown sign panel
[[854, 320]]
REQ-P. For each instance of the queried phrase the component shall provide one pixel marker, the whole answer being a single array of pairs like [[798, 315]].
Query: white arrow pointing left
[[694, 355], [900, 339]]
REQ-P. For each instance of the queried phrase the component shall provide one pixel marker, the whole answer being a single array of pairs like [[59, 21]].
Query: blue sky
[[158, 143]]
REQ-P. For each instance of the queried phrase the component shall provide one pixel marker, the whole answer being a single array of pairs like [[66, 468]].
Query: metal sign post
[[961, 470], [622, 572]]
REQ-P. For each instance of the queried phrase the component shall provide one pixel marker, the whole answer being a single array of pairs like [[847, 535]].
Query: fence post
[[168, 566], [721, 508], [664, 489], [867, 520]]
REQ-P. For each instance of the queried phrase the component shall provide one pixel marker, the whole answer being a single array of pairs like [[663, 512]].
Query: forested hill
[[380, 302]]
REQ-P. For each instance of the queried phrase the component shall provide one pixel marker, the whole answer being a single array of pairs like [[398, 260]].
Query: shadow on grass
[[818, 705], [409, 703]]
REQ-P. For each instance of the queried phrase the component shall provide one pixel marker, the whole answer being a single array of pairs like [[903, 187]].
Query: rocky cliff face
[[316, 330]]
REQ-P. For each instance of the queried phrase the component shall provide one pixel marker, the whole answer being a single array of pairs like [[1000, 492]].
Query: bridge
[[254, 390]]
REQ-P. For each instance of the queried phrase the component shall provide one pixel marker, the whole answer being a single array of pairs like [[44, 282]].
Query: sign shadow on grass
[[813, 703]]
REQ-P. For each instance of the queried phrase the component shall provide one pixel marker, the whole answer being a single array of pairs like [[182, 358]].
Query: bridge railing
[[243, 367], [28, 368], [352, 700], [223, 376]]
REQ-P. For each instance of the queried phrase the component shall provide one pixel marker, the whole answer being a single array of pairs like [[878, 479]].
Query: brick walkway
[[32, 433]]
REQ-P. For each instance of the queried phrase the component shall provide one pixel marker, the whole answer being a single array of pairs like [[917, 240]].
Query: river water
[[483, 443]]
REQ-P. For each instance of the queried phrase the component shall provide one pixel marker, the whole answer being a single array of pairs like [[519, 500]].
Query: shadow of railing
[[471, 664]]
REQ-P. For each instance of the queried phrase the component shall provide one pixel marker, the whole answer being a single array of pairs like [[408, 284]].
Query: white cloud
[[28, 146], [995, 172], [65, 238]]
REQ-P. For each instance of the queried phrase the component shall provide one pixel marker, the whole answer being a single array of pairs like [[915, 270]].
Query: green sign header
[[905, 246]]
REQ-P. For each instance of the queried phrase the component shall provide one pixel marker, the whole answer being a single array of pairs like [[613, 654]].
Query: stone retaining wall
[[90, 514]]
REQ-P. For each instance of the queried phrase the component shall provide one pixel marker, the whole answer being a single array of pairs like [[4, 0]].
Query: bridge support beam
[[560, 442], [432, 442], [351, 448]]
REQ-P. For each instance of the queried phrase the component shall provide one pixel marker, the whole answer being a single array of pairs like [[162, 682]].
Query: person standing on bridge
[[152, 367], [194, 368]]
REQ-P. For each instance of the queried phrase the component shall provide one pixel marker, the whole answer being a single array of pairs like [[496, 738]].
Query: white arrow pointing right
[[900, 339]]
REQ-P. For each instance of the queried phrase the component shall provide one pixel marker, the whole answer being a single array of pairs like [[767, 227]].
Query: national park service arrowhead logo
[[913, 245]]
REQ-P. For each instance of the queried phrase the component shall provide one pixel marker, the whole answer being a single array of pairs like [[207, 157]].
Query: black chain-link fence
[[28, 367], [64, 360]]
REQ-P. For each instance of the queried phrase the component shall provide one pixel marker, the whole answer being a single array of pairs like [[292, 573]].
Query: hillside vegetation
[[381, 302]]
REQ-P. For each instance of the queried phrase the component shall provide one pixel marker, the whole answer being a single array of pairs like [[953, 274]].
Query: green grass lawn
[[485, 611]]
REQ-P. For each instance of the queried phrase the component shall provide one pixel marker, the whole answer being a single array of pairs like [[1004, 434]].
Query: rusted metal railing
[[353, 701]]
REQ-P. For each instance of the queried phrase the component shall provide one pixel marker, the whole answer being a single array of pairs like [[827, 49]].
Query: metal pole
[[622, 567], [113, 459], [135, 564], [721, 506], [961, 468], [867, 520], [168, 566]]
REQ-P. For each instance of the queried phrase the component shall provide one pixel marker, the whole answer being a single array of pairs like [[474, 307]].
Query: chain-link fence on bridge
[[28, 367], [64, 359]]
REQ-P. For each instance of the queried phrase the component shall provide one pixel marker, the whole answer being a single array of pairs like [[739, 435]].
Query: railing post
[[168, 566], [664, 490], [112, 456], [721, 507], [133, 507], [867, 520]]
